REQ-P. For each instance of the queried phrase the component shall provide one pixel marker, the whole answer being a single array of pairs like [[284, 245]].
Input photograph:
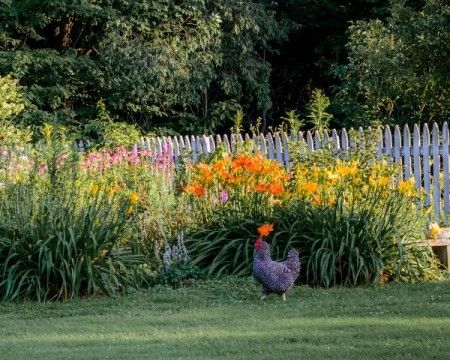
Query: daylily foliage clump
[[353, 221]]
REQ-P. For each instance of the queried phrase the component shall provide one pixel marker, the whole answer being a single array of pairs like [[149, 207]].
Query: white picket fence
[[423, 154]]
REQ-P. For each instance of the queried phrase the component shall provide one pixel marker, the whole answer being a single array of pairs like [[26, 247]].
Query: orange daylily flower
[[205, 172], [261, 187], [195, 189], [311, 187], [275, 189]]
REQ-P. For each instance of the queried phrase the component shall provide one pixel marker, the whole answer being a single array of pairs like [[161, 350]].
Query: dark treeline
[[188, 66]]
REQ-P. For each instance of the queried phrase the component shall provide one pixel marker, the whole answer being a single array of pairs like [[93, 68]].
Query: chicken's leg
[[265, 292], [283, 296]]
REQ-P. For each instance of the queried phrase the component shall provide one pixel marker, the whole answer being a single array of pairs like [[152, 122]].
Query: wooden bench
[[441, 248]]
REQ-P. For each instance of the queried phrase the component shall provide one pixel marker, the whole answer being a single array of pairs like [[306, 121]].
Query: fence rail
[[423, 153]]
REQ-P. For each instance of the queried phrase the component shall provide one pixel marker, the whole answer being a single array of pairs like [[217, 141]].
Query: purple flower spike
[[224, 196]]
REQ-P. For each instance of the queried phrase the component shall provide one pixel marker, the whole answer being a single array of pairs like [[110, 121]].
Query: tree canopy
[[188, 66]]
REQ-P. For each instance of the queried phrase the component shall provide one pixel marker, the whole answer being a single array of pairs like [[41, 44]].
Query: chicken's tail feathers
[[293, 261]]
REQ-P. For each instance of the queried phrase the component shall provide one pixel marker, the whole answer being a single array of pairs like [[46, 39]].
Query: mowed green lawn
[[221, 319]]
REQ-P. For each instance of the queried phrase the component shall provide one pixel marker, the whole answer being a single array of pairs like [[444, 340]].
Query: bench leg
[[443, 253]]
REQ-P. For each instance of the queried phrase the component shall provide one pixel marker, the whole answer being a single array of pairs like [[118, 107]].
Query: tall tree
[[398, 71], [154, 62]]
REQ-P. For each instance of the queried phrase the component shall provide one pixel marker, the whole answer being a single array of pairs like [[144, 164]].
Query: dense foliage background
[[188, 66]]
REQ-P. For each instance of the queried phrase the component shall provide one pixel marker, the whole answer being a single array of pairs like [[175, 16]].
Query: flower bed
[[76, 224]]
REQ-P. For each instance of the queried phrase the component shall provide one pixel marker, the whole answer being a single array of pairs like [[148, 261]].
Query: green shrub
[[11, 99], [12, 136], [106, 131], [60, 238]]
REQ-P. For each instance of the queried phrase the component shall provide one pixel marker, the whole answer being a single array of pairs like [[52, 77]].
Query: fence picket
[[426, 164], [287, 160], [416, 156], [226, 142], [300, 136], [278, 148], [262, 144], [187, 143], [148, 145], [445, 170], [205, 144], [361, 138], [344, 140], [317, 142], [270, 147], [232, 143], [388, 143], [158, 147], [176, 149], [212, 145], [309, 141], [239, 139], [436, 172], [194, 153], [170, 147], [351, 139], [335, 139], [255, 142], [379, 150], [397, 149], [407, 152]]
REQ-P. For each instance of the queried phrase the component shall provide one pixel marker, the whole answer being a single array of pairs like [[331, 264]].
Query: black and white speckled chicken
[[275, 277]]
